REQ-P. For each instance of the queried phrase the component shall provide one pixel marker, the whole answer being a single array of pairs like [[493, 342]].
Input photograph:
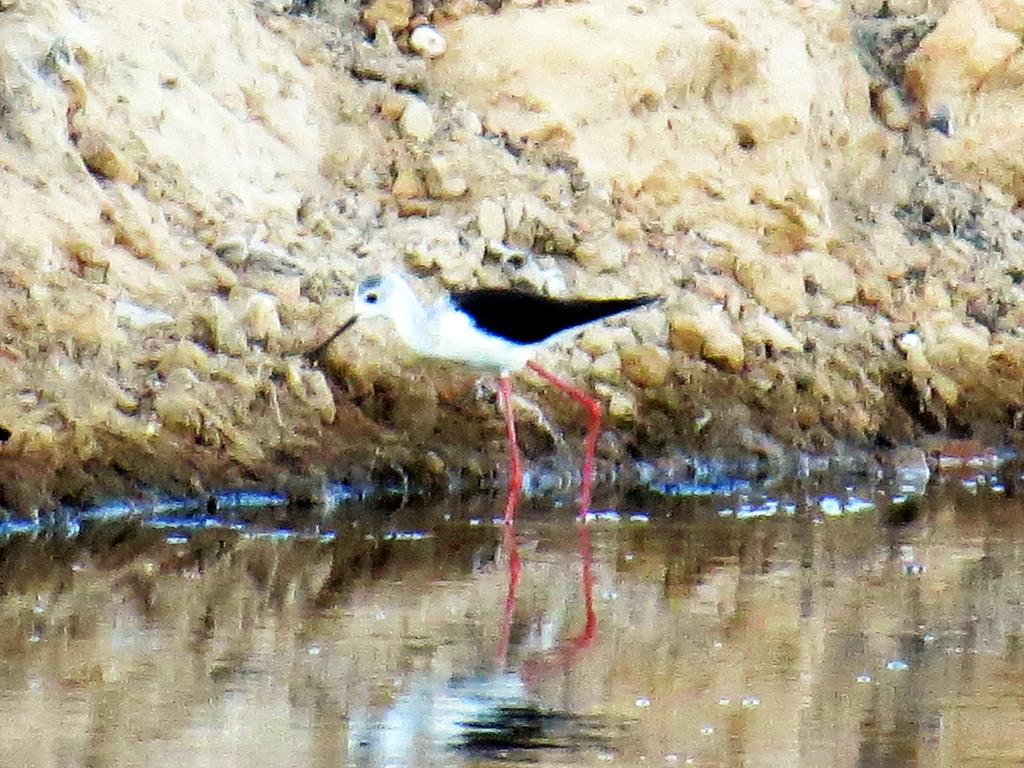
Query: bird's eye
[[371, 298]]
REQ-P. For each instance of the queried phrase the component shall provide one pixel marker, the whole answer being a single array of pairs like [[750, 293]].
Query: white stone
[[621, 406], [443, 179], [261, 317], [490, 220], [416, 121], [772, 331], [428, 42], [135, 316]]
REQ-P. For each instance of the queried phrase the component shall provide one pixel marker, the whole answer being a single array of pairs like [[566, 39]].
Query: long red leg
[[593, 427], [515, 468]]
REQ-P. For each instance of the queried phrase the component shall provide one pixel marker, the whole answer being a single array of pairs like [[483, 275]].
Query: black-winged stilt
[[492, 329]]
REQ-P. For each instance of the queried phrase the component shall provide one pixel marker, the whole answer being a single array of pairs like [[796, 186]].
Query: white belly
[[456, 338]]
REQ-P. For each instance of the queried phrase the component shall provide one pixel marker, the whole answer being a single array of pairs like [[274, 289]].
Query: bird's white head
[[391, 297], [382, 296]]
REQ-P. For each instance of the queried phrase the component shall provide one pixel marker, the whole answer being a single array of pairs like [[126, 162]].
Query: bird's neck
[[411, 321]]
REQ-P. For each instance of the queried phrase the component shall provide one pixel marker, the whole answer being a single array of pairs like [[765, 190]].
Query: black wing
[[528, 318]]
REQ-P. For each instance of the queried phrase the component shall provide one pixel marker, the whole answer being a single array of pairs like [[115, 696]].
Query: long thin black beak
[[314, 354]]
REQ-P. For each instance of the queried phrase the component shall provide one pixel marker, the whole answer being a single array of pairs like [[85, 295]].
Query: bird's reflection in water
[[493, 713]]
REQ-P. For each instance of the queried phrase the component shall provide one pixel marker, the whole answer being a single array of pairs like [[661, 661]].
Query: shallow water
[[711, 629]]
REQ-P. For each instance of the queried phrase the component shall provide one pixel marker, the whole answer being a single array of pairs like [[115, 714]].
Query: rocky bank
[[828, 195]]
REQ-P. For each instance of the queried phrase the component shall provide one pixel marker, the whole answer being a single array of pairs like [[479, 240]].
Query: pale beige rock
[[416, 122], [874, 289], [723, 347], [226, 334], [706, 333], [686, 333], [393, 104], [945, 388], [768, 330], [936, 295], [605, 254], [104, 159], [427, 245], [408, 184], [834, 278], [444, 182], [184, 354], [607, 366], [960, 350], [913, 347], [892, 109], [622, 406], [139, 226], [39, 438], [967, 46], [470, 121], [312, 390], [777, 283], [634, 132], [490, 219], [971, 66], [395, 13], [138, 317], [233, 250], [261, 318], [287, 289], [646, 365], [178, 405], [602, 339], [579, 362], [650, 325]]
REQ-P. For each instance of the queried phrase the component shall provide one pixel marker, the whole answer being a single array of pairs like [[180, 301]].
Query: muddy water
[[817, 633]]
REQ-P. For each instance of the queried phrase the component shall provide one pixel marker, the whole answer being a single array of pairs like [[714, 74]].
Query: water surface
[[709, 629]]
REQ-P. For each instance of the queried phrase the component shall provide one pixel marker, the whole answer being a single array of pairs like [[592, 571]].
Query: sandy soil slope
[[827, 195]]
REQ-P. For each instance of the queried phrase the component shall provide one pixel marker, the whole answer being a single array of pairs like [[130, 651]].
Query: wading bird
[[497, 330]]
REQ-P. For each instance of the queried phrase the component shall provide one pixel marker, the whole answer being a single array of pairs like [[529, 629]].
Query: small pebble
[[443, 180], [261, 317], [490, 220], [892, 109], [133, 315], [233, 250], [428, 42], [395, 13], [416, 122]]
